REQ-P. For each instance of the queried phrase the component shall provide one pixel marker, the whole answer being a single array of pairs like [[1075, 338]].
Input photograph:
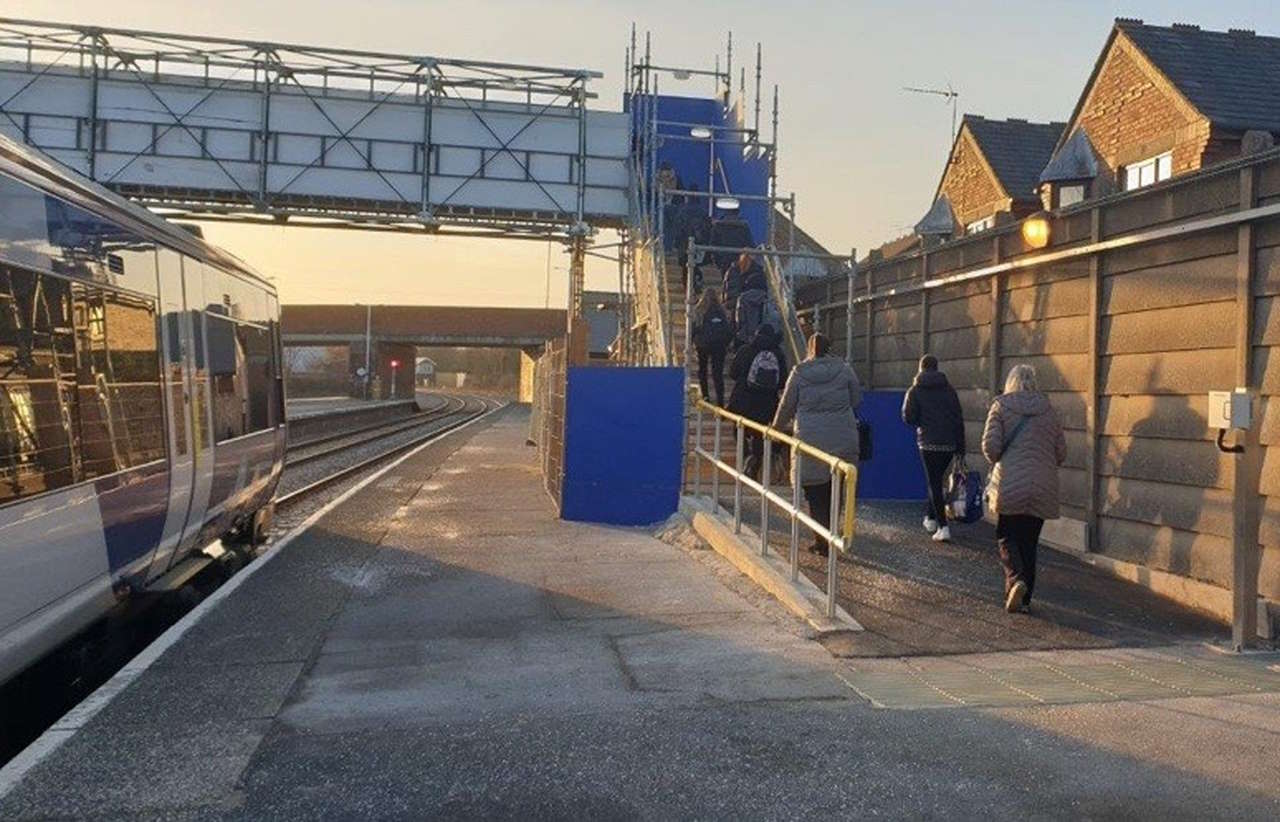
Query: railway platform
[[437, 644]]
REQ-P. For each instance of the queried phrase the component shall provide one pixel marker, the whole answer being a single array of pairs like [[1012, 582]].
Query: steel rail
[[378, 432], [360, 429], [466, 417]]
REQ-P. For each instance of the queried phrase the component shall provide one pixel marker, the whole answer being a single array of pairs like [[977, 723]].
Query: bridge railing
[[837, 532]]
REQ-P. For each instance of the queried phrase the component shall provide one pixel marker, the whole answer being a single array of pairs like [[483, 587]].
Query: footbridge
[[222, 129], [420, 325]]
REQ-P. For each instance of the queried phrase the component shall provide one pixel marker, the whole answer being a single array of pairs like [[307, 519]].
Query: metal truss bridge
[[220, 129]]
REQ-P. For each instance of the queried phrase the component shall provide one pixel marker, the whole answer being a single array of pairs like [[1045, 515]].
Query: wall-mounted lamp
[[727, 203], [700, 133], [1035, 230]]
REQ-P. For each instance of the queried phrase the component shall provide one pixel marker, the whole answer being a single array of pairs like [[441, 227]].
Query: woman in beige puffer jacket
[[1023, 441]]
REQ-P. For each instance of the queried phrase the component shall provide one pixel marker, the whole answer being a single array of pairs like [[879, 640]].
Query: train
[[142, 407]]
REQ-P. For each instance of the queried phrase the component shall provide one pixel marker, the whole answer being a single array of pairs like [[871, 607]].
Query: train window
[[95, 248], [37, 384], [122, 419], [24, 225], [256, 344], [227, 374]]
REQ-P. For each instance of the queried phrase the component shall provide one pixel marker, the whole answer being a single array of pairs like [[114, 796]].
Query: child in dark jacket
[[932, 406]]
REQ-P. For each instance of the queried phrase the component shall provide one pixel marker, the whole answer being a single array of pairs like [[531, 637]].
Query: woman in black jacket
[[757, 399], [712, 333], [931, 405]]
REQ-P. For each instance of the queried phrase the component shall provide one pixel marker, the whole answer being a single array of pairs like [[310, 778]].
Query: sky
[[862, 156]]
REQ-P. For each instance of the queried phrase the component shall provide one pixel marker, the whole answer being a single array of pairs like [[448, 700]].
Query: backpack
[[714, 330], [765, 373]]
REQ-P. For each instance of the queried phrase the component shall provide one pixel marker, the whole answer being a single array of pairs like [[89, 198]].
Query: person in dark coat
[[932, 407], [737, 275], [757, 401], [712, 334]]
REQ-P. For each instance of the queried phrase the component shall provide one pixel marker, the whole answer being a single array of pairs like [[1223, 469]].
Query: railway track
[[321, 447], [346, 455]]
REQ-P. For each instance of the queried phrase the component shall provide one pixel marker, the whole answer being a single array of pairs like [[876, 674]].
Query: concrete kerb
[[770, 572]]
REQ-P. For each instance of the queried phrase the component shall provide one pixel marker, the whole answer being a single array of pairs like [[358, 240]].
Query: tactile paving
[[992, 682]]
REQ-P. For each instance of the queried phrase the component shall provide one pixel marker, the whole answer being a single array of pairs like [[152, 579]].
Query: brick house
[[1161, 101], [800, 269], [992, 175]]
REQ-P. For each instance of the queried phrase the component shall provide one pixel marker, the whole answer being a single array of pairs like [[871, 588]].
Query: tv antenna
[[949, 93]]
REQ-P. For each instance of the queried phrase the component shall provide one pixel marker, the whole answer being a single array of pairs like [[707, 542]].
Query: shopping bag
[[964, 493]]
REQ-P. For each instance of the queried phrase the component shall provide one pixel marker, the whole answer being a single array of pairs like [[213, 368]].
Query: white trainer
[[930, 524], [943, 534]]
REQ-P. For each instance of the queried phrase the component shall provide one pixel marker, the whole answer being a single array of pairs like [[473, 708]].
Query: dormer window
[[1069, 195], [1148, 171]]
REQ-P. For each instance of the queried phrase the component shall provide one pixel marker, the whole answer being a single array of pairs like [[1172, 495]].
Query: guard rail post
[[832, 550], [766, 466], [737, 482], [697, 443], [838, 529], [715, 473], [795, 521]]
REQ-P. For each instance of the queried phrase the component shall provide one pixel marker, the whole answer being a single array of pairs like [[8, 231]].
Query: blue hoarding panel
[[894, 472], [736, 171], [624, 430]]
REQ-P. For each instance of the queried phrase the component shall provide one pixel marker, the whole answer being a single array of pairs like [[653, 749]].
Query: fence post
[[868, 362], [993, 381], [848, 308], [1246, 465], [924, 319], [1094, 388]]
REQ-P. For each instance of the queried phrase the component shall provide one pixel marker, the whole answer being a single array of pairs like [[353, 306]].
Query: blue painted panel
[[894, 472], [624, 430], [691, 159]]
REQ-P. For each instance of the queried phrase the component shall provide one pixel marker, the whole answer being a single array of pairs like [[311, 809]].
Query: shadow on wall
[[1167, 476]]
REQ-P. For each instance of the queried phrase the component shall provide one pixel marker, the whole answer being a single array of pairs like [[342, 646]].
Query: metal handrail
[[786, 306], [838, 532]]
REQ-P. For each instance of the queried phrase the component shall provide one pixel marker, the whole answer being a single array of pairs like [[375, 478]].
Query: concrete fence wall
[[1128, 332]]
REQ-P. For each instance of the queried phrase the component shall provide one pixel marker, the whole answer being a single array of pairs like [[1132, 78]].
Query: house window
[[1070, 195], [1148, 171], [980, 225]]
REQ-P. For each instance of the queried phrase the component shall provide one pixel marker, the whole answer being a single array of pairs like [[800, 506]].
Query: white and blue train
[[141, 403]]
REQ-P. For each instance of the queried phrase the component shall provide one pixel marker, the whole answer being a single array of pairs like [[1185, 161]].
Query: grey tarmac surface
[[440, 646]]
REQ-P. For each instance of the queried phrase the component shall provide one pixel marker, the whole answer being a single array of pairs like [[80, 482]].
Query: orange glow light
[[1035, 231]]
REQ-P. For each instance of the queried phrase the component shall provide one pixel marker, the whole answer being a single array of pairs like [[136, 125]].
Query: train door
[[201, 401], [175, 339]]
